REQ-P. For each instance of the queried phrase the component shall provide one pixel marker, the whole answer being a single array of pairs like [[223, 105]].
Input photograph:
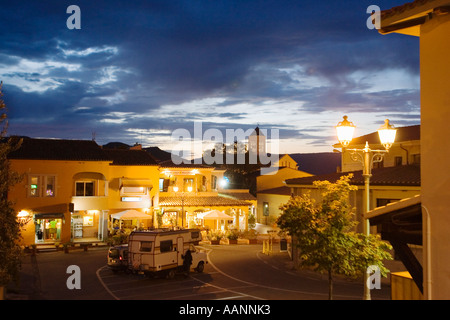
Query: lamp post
[[367, 157], [189, 189]]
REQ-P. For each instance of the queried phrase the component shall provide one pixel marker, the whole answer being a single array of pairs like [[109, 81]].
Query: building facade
[[74, 190]]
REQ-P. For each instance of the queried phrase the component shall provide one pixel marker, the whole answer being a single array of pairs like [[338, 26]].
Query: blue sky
[[138, 70]]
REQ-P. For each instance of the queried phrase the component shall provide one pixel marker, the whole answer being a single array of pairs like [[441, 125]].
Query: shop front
[[88, 225], [48, 227]]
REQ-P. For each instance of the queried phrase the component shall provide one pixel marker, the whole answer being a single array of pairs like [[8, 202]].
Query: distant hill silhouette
[[317, 163], [158, 154]]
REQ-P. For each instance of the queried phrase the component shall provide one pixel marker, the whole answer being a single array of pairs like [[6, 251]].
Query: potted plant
[[233, 236], [215, 236], [252, 236]]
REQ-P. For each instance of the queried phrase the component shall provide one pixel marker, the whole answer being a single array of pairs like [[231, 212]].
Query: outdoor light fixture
[[367, 157], [189, 189], [345, 130], [387, 134]]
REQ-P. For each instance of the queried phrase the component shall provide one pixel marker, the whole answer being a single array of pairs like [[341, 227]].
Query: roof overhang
[[408, 18], [400, 223]]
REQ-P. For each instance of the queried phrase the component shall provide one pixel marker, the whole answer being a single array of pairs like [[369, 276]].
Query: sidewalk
[[282, 260], [29, 285]]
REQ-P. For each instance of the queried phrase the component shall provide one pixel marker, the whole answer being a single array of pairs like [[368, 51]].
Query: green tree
[[324, 236], [10, 226]]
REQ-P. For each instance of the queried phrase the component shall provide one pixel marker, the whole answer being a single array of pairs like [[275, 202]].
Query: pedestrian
[[187, 262]]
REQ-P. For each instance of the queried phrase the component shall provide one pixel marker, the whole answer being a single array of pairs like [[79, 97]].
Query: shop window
[[188, 182], [398, 161], [84, 189]]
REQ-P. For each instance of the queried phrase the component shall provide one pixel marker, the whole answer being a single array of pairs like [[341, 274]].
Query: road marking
[[237, 294], [104, 285], [233, 297]]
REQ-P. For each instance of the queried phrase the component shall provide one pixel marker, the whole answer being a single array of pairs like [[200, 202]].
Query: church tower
[[257, 142]]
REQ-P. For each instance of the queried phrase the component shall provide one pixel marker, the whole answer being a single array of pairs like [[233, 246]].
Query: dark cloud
[[131, 60]]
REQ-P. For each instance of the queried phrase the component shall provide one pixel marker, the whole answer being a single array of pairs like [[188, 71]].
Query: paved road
[[234, 272]]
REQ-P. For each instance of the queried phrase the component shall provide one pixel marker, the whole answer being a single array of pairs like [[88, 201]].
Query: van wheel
[[170, 274], [200, 267]]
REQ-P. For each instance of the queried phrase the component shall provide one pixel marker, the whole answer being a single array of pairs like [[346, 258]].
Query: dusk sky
[[138, 70]]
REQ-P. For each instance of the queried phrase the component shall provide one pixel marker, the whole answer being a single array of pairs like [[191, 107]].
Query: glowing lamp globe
[[387, 134], [345, 130]]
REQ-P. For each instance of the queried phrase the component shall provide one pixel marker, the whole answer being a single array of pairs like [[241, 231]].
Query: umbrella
[[214, 215], [130, 215]]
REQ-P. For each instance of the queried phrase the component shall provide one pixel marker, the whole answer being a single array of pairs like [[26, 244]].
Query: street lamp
[[189, 189], [367, 157]]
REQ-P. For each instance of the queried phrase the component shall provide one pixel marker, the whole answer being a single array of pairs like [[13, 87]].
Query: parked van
[[118, 258], [160, 251]]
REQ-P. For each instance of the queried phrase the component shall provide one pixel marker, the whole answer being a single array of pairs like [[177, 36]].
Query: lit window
[[266, 209], [41, 186], [34, 186], [50, 186]]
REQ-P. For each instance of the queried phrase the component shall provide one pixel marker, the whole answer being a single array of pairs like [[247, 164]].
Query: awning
[[136, 183], [49, 216], [202, 201], [130, 215], [400, 223], [214, 215]]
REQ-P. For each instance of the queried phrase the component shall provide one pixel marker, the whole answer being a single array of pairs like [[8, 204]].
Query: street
[[234, 272]]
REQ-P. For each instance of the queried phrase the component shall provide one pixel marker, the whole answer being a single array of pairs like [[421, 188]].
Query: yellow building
[[71, 187], [387, 185], [133, 185], [57, 174], [272, 190], [74, 190], [269, 202], [187, 190]]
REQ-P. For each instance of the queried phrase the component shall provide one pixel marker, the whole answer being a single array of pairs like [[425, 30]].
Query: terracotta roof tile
[[171, 164], [56, 149], [238, 195], [404, 7], [130, 157], [197, 201], [408, 175]]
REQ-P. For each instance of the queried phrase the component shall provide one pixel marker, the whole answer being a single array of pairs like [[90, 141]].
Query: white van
[[161, 251]]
